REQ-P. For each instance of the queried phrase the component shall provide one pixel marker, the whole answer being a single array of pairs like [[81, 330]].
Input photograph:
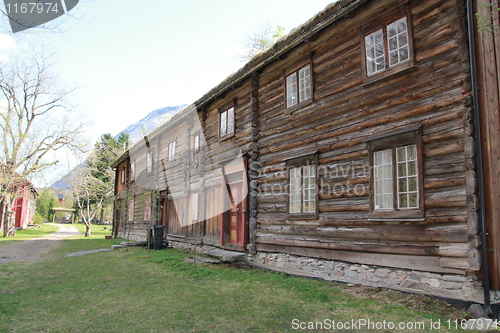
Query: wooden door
[[172, 220], [233, 233], [236, 214]]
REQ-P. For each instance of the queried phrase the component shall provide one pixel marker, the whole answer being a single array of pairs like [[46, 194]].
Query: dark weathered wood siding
[[344, 113], [433, 95]]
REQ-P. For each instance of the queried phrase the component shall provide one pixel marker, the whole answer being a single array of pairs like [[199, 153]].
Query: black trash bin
[[157, 238]]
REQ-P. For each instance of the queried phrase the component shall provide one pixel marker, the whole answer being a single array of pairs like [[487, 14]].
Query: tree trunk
[[88, 226], [8, 217], [101, 217]]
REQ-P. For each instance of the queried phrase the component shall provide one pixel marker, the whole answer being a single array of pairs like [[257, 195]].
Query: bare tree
[[94, 180], [262, 39], [89, 194], [36, 119]]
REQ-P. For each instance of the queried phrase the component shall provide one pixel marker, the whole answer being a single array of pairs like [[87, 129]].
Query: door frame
[[229, 170]]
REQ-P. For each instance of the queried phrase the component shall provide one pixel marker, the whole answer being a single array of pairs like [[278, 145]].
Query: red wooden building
[[24, 205]]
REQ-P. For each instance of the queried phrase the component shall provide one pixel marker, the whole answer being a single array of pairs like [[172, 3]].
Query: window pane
[[403, 200], [412, 152], [412, 184], [196, 142], [294, 207], [402, 185], [375, 57], [171, 151], [291, 90], [295, 191], [407, 177], [230, 121], [413, 200], [397, 34], [412, 168], [304, 83], [309, 181], [382, 174], [402, 170], [149, 162], [223, 124]]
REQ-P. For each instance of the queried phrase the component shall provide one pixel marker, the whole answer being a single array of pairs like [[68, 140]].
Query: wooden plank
[[420, 263], [387, 247], [448, 233]]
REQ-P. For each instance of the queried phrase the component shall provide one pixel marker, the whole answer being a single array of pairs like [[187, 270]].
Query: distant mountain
[[151, 121], [136, 132]]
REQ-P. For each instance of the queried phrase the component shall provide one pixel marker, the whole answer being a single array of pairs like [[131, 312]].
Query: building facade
[[351, 150]]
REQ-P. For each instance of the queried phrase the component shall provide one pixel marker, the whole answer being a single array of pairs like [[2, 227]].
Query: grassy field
[[141, 291], [30, 233]]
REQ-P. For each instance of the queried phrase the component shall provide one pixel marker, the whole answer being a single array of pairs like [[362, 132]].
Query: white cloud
[[7, 42]]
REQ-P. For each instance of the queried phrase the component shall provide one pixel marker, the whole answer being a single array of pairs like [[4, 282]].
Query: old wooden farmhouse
[[362, 147]]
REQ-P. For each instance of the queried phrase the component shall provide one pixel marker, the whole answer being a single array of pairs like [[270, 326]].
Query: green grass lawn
[[30, 233], [141, 291]]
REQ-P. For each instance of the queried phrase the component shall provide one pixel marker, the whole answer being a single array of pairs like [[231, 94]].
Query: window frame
[[225, 110], [382, 24], [295, 69], [300, 162], [132, 171], [196, 149], [172, 146], [393, 140], [149, 161]]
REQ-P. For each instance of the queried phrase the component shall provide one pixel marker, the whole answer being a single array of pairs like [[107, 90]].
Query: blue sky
[[131, 57]]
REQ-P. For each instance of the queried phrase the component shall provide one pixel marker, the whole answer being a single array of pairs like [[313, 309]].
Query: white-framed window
[[404, 173], [302, 187], [396, 174], [387, 45], [394, 39], [149, 162], [132, 169], [122, 176], [171, 151], [407, 176], [298, 86], [382, 179], [196, 142], [226, 123]]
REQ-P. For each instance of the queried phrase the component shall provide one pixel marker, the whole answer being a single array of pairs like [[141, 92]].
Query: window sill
[[406, 66], [298, 106], [227, 137], [400, 215], [306, 216]]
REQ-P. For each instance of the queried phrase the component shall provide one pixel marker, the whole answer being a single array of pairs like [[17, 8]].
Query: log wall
[[345, 112]]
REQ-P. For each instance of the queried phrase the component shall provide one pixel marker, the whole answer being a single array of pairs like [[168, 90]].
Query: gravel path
[[31, 250]]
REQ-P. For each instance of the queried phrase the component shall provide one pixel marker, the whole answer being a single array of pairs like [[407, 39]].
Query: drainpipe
[[479, 154]]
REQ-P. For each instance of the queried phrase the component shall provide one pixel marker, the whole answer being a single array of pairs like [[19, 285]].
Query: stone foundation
[[193, 247], [467, 288], [132, 237]]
